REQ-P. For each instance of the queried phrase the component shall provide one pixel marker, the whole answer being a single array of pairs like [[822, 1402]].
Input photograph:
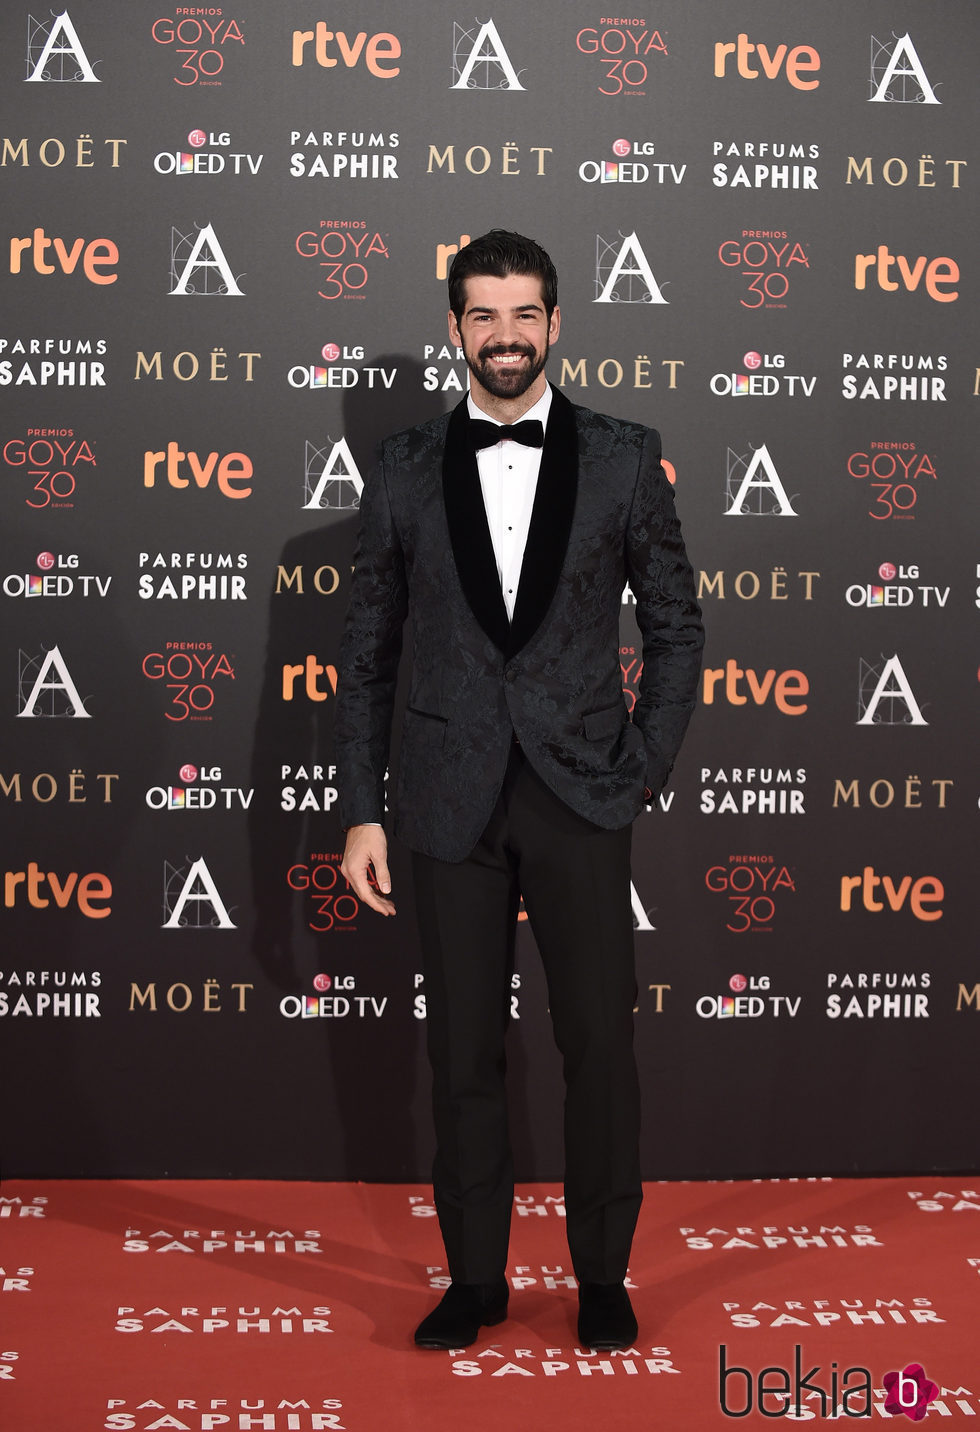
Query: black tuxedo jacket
[[603, 516]]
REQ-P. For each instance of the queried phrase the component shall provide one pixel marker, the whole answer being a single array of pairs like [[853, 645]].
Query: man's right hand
[[366, 850]]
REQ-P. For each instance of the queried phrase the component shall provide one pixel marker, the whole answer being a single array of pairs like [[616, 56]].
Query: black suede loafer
[[465, 1309], [605, 1317]]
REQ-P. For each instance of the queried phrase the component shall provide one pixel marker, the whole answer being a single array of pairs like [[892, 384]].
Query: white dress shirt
[[509, 480]]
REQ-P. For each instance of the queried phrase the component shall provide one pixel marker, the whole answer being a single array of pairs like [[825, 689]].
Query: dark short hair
[[499, 254]]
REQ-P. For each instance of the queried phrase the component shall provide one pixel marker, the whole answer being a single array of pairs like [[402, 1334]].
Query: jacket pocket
[[599, 725], [423, 727]]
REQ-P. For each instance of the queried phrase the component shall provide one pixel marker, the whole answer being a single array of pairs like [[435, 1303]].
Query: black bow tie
[[483, 434]]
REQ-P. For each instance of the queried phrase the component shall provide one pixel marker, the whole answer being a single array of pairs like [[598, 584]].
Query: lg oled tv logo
[[48, 582], [316, 376], [187, 795], [886, 592], [205, 156], [753, 384], [627, 167]]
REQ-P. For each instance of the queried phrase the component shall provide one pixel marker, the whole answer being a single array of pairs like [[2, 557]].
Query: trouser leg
[[575, 880], [467, 921]]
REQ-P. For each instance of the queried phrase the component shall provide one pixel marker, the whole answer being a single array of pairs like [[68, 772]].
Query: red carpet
[[283, 1306]]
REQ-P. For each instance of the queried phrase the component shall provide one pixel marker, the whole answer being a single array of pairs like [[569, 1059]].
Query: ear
[[454, 336], [554, 326]]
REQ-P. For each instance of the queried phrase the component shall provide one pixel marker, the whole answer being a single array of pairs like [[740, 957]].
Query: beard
[[507, 382]]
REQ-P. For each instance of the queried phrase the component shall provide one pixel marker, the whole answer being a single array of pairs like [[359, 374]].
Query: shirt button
[[510, 674]]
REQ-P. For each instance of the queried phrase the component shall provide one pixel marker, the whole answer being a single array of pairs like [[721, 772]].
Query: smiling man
[[507, 531]]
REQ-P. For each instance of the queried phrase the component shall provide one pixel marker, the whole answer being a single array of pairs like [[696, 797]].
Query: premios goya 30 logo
[[191, 673], [624, 48], [52, 459], [199, 37], [345, 252]]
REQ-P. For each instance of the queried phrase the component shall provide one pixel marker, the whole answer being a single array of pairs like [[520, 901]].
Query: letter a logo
[[69, 703], [203, 254], [71, 64], [480, 61], [759, 476], [333, 481], [912, 86], [614, 278], [197, 891], [891, 686], [641, 920]]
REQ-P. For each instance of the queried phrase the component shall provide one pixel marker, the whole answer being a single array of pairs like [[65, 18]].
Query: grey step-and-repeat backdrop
[[226, 230]]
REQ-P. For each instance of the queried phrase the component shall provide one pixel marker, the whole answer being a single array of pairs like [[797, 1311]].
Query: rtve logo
[[93, 254], [90, 892], [799, 58], [911, 272], [309, 671], [331, 48], [787, 689], [232, 470], [864, 888]]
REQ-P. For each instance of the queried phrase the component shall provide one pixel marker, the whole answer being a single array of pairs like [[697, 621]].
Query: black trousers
[[575, 881]]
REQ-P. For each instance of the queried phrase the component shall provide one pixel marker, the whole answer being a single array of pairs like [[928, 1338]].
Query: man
[[520, 769]]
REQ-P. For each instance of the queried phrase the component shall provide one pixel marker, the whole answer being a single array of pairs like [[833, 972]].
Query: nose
[[507, 331]]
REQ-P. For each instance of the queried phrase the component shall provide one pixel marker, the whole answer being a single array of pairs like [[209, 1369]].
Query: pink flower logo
[[909, 1392]]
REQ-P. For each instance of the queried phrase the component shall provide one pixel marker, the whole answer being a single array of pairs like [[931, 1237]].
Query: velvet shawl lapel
[[547, 538]]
